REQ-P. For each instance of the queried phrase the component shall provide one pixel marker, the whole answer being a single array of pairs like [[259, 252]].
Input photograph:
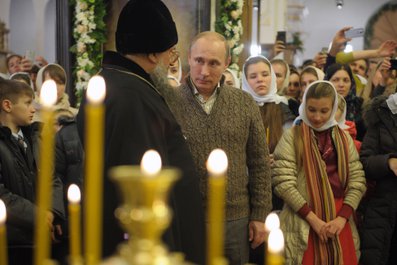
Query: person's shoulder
[[120, 78], [374, 109], [4, 132]]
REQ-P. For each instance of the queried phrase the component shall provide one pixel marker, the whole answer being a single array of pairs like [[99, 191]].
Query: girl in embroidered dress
[[319, 176]]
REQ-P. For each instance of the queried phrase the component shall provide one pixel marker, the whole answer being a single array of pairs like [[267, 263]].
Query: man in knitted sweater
[[216, 116]]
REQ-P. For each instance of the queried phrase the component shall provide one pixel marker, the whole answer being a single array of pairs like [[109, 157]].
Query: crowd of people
[[316, 143]]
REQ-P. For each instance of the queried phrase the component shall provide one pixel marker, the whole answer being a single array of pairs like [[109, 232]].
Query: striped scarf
[[321, 196]]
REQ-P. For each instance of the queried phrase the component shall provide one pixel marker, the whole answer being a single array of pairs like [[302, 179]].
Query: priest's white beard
[[159, 77]]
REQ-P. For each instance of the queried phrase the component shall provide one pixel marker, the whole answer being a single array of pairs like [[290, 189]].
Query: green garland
[[229, 25], [369, 29], [89, 33]]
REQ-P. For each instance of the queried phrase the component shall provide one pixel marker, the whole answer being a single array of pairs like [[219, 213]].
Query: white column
[[5, 12], [272, 19], [39, 10]]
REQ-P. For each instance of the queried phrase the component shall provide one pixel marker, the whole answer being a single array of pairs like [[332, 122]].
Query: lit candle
[[216, 166], [74, 224], [272, 222], [48, 97], [3, 235], [267, 135], [151, 163], [94, 140], [275, 247], [150, 168]]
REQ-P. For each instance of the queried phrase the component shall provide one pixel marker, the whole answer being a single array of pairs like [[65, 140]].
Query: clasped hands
[[326, 231]]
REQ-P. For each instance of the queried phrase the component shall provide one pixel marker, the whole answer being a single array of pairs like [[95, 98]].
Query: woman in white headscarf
[[318, 174], [58, 74], [259, 80], [282, 71], [231, 78], [175, 73]]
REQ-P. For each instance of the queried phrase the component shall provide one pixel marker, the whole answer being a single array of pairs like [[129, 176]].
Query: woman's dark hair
[[254, 60], [335, 68]]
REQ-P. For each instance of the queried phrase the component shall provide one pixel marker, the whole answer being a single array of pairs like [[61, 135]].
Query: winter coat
[[69, 155], [18, 175], [138, 119], [290, 184], [380, 208]]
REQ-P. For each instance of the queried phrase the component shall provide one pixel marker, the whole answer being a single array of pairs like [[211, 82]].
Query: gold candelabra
[[144, 215]]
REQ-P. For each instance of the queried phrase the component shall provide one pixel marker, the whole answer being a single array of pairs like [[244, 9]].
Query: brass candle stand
[[144, 215]]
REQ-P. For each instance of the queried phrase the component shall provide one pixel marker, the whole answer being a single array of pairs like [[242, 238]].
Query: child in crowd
[[319, 176], [58, 74], [349, 126], [19, 141], [341, 76]]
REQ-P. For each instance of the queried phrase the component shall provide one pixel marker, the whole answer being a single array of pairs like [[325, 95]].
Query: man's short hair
[[213, 36], [13, 90]]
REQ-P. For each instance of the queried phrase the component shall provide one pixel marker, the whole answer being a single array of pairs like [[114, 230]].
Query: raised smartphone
[[281, 36], [393, 63], [354, 33]]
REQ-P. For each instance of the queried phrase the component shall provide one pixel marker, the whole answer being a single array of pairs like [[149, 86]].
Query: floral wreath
[[89, 34], [229, 25]]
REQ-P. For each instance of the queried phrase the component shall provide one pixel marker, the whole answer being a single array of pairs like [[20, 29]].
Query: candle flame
[[151, 163], [217, 162], [74, 195], [96, 89], [272, 222], [48, 93], [3, 212], [275, 243]]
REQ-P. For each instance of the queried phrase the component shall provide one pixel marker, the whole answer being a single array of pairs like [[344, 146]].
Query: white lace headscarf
[[179, 78], [282, 90], [40, 75], [235, 78], [271, 95], [302, 109], [342, 121]]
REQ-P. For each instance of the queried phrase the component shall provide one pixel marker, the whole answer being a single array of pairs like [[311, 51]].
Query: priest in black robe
[[138, 119]]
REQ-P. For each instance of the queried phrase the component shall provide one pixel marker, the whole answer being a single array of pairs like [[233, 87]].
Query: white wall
[[32, 26], [324, 19], [36, 26]]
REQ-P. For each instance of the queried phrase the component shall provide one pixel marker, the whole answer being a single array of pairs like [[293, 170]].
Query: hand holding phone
[[354, 33], [29, 55], [393, 63], [281, 36]]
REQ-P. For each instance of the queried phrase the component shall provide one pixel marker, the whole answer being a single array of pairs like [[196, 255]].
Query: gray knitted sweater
[[234, 125]]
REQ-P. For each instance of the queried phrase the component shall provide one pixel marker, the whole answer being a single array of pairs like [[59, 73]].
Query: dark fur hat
[[145, 26]]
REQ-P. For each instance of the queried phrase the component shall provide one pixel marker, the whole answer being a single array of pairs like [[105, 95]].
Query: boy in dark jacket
[[18, 168]]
